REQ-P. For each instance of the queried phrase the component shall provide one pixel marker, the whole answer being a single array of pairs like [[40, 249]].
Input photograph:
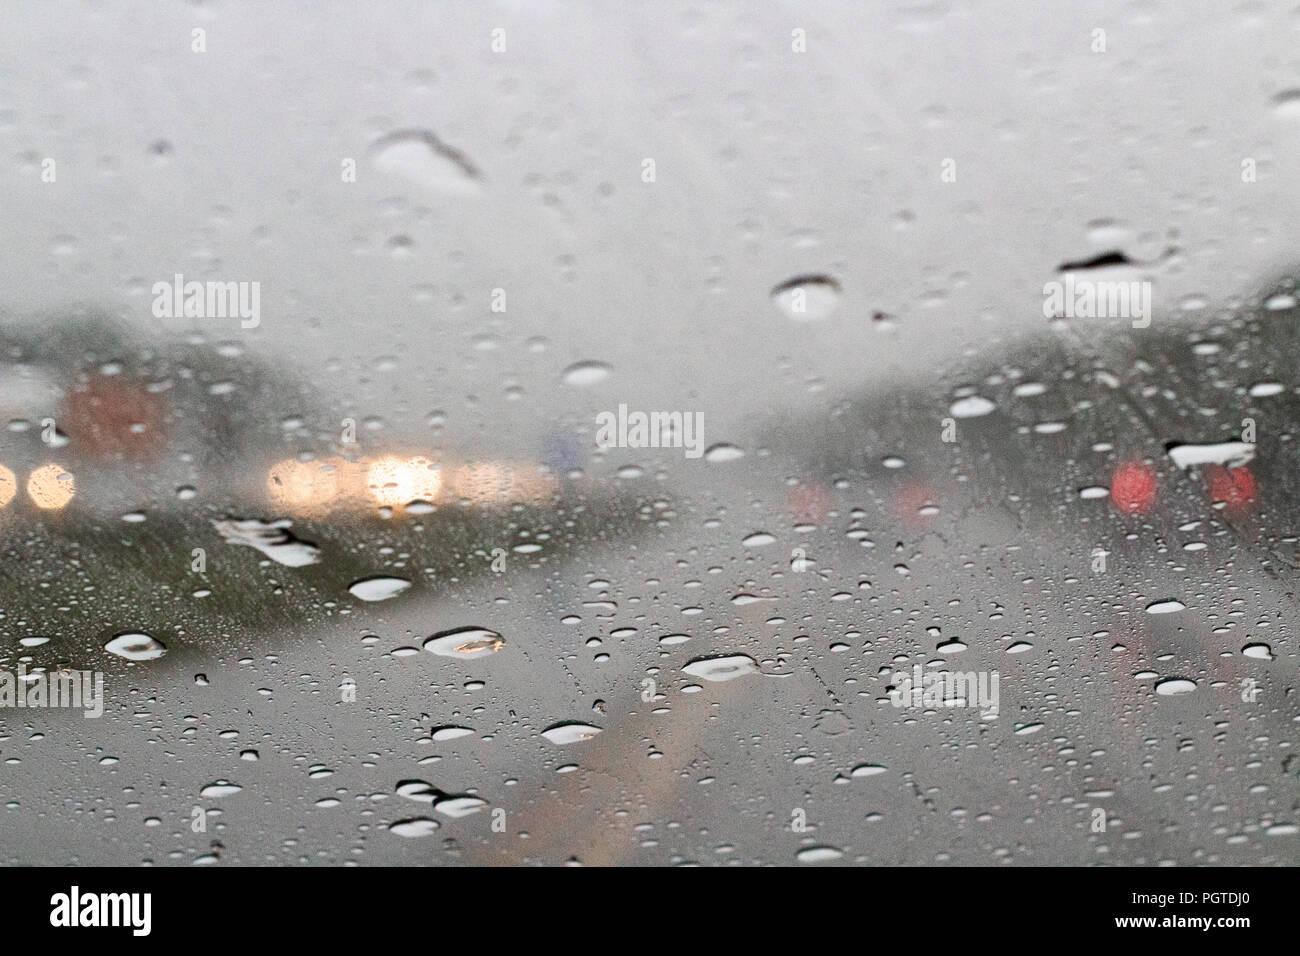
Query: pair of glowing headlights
[[336, 482], [393, 481], [49, 487]]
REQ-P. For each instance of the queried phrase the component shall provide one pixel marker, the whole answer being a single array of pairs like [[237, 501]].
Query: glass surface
[[729, 434]]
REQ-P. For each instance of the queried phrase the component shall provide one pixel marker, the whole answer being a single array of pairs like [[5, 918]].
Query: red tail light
[[1133, 487]]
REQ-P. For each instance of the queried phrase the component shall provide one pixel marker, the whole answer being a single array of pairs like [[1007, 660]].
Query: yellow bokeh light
[[305, 485], [8, 486], [399, 481], [51, 487]]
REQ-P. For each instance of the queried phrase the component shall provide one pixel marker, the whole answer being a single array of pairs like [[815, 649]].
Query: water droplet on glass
[[1230, 454], [569, 732], [807, 298], [414, 827], [220, 788], [818, 854], [135, 646], [420, 157], [867, 770], [1166, 607], [465, 642], [583, 374], [1173, 686], [451, 733], [270, 538], [420, 791], [378, 588], [722, 668], [972, 406], [722, 452], [1286, 105], [457, 807]]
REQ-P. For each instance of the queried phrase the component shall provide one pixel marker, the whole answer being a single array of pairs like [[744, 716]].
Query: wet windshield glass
[[698, 433]]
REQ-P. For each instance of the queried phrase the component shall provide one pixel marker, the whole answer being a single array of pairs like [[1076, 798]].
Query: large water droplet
[[1173, 686], [868, 770], [818, 854], [723, 452], [807, 298], [457, 807], [421, 791], [1230, 454], [420, 157], [583, 374], [569, 732], [1166, 607], [135, 646], [722, 668], [465, 642], [414, 827], [220, 788], [269, 537], [1286, 104], [972, 406], [451, 733], [378, 588]]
